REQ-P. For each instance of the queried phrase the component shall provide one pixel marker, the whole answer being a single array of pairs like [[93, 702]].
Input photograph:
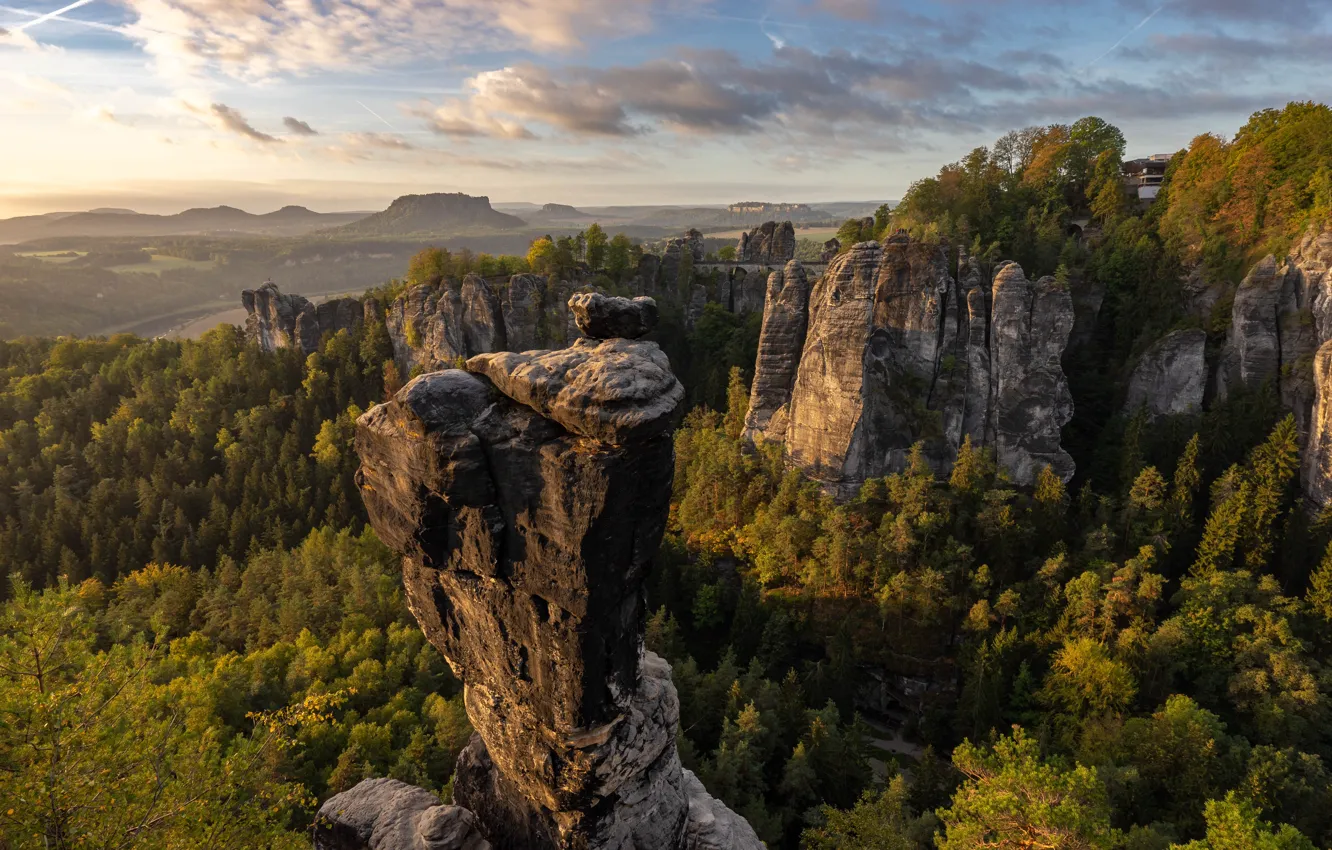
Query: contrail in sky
[[51, 16], [1140, 25], [377, 115]]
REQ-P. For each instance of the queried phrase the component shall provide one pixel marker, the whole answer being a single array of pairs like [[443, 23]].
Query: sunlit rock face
[[896, 351], [276, 321], [528, 495]]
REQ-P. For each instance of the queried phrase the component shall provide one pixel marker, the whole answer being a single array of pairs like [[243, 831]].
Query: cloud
[[384, 141], [226, 118], [262, 39], [297, 127], [715, 92]]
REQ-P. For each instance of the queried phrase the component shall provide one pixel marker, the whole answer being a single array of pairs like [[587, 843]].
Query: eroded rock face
[[785, 322], [898, 352], [769, 244], [607, 317], [1030, 323], [528, 496], [1317, 473], [1171, 377], [385, 814], [433, 327], [291, 321]]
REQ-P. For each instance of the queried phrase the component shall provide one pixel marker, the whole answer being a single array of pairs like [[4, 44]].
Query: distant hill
[[216, 221], [438, 213]]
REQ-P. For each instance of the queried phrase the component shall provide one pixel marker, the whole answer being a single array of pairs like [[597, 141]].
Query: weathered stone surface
[[830, 250], [433, 326], [1029, 328], [711, 825], [616, 391], [682, 255], [898, 353], [823, 434], [1171, 376], [523, 305], [785, 323], [528, 498], [768, 244], [1317, 472], [483, 322], [747, 292], [698, 301], [278, 321], [608, 317], [1252, 353], [385, 814]]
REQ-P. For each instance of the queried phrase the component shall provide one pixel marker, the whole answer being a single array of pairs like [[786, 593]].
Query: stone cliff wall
[[896, 351], [528, 495], [770, 243], [290, 321]]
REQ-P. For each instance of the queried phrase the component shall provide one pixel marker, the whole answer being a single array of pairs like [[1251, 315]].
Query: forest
[[200, 639]]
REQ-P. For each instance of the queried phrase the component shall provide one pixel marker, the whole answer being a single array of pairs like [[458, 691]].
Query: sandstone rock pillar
[[527, 495]]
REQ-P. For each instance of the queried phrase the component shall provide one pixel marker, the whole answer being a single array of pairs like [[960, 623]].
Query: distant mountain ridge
[[437, 213], [288, 221]]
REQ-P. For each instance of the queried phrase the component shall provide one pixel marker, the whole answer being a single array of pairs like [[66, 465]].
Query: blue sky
[[163, 104]]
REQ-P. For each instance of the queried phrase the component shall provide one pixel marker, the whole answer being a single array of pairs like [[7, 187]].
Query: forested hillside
[[201, 639]]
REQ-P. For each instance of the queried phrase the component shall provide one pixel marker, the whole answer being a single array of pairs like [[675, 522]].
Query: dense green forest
[[200, 639]]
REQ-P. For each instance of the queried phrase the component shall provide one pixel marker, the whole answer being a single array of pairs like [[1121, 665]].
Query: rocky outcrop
[[785, 322], [831, 249], [1280, 325], [769, 244], [1171, 376], [536, 313], [607, 317], [682, 255], [432, 327], [278, 321], [897, 352], [1317, 462], [1030, 323], [528, 496], [385, 814]]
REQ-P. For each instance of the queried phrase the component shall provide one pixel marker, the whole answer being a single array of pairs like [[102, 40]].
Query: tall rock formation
[[278, 321], [785, 322], [432, 327], [1280, 328], [536, 312], [527, 496], [1171, 376], [898, 352], [769, 244], [1030, 323]]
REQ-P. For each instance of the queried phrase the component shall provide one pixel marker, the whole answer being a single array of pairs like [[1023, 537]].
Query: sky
[[160, 105]]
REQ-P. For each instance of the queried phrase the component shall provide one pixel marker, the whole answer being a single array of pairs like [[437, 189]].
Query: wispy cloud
[[229, 119]]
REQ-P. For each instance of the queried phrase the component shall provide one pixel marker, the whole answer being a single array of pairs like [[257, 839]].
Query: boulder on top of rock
[[610, 317], [616, 391]]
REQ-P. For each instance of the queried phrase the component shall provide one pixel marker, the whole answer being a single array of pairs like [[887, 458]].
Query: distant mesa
[[562, 210], [435, 213], [766, 208]]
